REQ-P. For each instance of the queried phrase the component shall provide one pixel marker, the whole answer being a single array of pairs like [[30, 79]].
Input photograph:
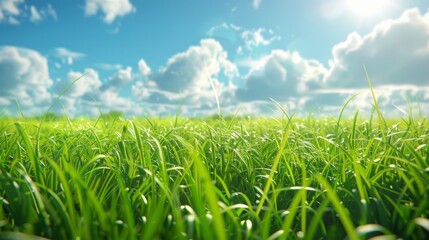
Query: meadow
[[225, 178]]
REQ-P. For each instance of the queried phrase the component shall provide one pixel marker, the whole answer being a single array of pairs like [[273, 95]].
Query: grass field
[[251, 178]]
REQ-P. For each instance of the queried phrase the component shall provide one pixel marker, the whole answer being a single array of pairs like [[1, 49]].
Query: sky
[[153, 57]]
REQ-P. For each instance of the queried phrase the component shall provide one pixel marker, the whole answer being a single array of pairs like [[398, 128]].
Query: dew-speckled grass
[[241, 178]]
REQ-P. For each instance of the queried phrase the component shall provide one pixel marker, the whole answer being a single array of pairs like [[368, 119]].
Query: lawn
[[235, 178]]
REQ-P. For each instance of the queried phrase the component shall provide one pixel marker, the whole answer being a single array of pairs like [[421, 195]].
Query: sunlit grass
[[253, 178]]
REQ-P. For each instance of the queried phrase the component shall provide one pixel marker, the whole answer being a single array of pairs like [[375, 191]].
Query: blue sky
[[148, 57]]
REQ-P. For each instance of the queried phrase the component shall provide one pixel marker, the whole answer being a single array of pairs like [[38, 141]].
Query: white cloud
[[124, 76], [256, 3], [111, 8], [49, 11], [67, 56], [185, 77], [89, 83], [12, 11], [224, 26], [90, 94], [188, 71], [108, 66], [9, 10], [281, 75], [255, 37], [14, 21], [25, 77], [392, 100], [242, 38], [144, 68], [43, 13], [119, 79], [110, 100], [395, 52], [35, 15]]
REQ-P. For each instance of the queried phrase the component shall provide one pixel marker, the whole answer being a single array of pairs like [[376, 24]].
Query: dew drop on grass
[[284, 213], [420, 147], [189, 218], [247, 223], [144, 199], [423, 222]]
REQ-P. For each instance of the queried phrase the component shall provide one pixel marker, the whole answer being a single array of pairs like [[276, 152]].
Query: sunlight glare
[[367, 8]]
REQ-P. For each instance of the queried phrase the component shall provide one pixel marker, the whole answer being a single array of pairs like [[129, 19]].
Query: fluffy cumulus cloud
[[189, 75], [189, 71], [281, 75], [110, 8], [395, 52], [87, 84], [119, 79], [25, 77], [90, 94]]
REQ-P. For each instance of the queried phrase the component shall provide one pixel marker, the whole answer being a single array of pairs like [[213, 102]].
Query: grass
[[254, 178]]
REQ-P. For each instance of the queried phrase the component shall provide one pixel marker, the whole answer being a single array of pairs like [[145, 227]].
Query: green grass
[[255, 178]]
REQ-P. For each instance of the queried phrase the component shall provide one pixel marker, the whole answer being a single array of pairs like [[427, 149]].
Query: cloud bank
[[25, 77], [396, 53]]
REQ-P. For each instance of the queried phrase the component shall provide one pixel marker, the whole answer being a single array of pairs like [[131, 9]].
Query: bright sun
[[367, 8]]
